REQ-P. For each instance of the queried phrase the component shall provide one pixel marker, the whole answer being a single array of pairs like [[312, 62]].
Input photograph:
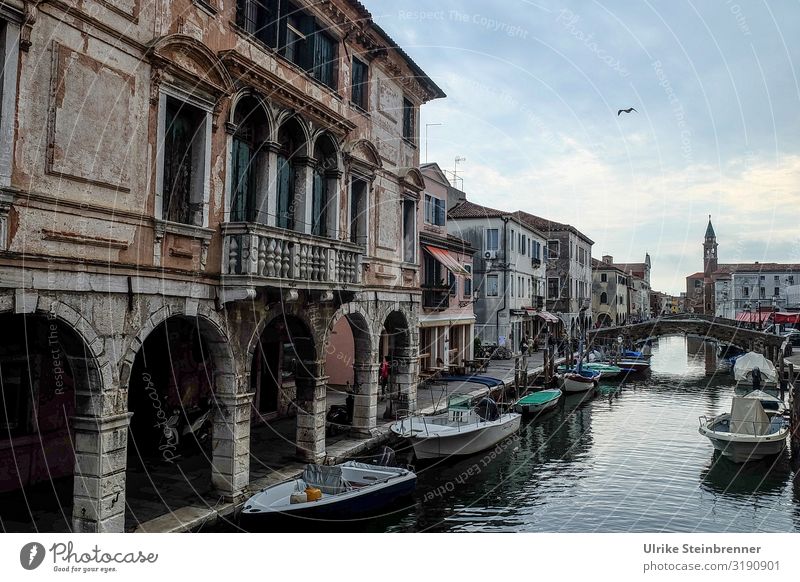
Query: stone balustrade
[[259, 251]]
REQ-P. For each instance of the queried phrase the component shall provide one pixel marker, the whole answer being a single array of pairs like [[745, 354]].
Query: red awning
[[748, 317], [447, 260], [786, 317], [548, 317]]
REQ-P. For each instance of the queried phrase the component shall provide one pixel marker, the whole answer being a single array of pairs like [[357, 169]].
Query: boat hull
[[574, 383], [465, 442], [742, 448], [334, 515]]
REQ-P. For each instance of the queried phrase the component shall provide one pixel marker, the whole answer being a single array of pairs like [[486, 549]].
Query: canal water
[[629, 459]]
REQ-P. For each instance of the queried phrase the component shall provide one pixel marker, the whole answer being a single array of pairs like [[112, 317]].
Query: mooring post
[[782, 381]]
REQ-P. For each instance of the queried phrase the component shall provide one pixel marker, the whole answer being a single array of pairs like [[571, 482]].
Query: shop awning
[[748, 317], [548, 317], [786, 317], [447, 260]]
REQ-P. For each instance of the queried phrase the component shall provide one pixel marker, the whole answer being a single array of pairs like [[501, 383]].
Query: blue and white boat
[[330, 493]]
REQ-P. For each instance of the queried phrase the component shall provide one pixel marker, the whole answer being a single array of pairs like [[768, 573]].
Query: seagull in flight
[[625, 111]]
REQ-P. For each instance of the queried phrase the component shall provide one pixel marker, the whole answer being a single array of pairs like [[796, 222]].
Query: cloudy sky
[[533, 92]]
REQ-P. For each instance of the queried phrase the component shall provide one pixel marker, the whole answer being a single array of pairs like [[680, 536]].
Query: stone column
[[268, 199], [101, 453], [407, 378], [332, 180], [311, 402], [365, 411], [230, 463], [303, 193]]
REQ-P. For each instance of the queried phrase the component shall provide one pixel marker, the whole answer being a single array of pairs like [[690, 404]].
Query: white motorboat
[[462, 430], [329, 493], [746, 364], [580, 381], [746, 433]]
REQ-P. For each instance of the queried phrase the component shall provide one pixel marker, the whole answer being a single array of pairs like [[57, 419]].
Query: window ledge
[[410, 142], [358, 109], [187, 230]]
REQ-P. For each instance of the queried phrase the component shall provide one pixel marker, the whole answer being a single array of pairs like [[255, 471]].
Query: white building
[[509, 271], [754, 287]]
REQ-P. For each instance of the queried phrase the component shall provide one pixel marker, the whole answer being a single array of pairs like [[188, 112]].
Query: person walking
[[383, 375]]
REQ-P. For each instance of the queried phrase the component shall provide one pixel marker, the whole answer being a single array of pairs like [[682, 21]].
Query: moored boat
[[462, 430], [607, 371], [753, 368], [330, 493], [580, 381], [746, 433], [537, 402]]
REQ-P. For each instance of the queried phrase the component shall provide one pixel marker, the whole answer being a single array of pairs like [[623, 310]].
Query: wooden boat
[[345, 490], [633, 364], [537, 402], [580, 381], [462, 430], [746, 433]]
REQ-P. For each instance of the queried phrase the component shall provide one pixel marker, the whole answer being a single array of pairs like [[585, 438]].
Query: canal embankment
[[431, 399]]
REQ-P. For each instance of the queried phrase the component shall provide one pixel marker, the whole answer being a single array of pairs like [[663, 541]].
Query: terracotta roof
[[698, 275], [546, 226], [467, 209], [603, 266]]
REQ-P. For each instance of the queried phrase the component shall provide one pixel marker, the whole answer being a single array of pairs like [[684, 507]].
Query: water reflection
[[725, 477]]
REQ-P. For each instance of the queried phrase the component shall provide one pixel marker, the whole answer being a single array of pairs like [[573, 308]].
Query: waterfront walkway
[[183, 500]]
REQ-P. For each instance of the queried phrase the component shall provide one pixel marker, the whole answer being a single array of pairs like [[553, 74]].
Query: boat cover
[[751, 360], [326, 478], [748, 417]]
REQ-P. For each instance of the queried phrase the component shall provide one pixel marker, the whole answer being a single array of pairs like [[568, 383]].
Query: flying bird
[[625, 111]]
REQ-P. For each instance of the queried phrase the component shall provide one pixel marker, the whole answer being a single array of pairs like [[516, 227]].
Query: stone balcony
[[267, 256]]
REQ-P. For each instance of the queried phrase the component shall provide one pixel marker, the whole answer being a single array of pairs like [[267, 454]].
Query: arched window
[[603, 298], [246, 161]]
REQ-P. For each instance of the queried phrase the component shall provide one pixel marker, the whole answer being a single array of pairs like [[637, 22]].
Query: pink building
[[447, 320]]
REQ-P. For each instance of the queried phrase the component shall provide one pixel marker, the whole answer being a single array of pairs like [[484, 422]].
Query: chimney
[[608, 259]]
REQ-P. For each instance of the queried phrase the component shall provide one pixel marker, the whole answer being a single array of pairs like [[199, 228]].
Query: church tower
[[710, 250]]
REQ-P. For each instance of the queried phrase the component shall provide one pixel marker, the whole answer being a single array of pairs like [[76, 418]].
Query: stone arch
[[193, 60], [323, 138], [251, 93], [412, 180], [291, 119], [363, 153]]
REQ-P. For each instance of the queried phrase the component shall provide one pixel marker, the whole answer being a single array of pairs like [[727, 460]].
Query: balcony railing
[[255, 250], [436, 298]]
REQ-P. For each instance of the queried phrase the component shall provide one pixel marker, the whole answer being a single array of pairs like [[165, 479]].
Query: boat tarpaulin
[[326, 478], [748, 417], [548, 317], [447, 260], [745, 365], [786, 317]]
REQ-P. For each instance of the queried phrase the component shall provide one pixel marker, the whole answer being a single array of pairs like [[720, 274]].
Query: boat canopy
[[748, 417], [745, 365]]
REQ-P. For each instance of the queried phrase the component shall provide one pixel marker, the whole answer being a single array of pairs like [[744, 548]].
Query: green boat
[[606, 370], [537, 402]]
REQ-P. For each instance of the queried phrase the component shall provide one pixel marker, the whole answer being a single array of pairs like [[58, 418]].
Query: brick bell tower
[[710, 250]]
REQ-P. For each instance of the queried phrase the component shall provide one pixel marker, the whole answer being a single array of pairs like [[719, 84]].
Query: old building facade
[[447, 321], [194, 195], [509, 272], [610, 293]]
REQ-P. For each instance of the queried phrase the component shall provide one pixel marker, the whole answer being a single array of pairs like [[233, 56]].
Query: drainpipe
[[505, 276]]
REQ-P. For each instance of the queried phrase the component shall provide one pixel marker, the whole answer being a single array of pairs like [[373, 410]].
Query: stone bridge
[[726, 331]]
